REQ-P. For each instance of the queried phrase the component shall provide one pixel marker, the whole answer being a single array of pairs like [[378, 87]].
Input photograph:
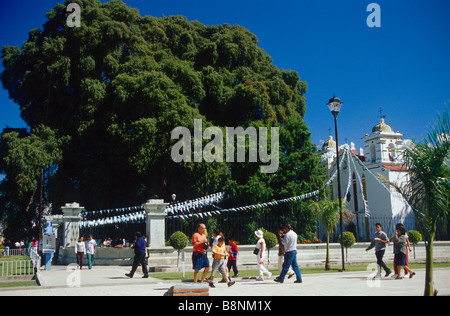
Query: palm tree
[[328, 212], [427, 190]]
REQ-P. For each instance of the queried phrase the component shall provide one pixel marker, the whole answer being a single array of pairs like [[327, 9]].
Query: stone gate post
[[155, 223], [71, 221]]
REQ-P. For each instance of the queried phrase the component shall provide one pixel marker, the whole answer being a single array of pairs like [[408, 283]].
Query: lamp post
[[334, 104]]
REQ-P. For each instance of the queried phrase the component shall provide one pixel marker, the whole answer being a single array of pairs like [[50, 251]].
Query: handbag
[[256, 251]]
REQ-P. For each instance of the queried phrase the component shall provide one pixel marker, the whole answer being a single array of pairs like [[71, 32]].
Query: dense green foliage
[[101, 101], [414, 237], [178, 240]]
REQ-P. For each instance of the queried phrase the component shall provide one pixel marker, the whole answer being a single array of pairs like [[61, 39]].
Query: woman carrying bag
[[260, 256]]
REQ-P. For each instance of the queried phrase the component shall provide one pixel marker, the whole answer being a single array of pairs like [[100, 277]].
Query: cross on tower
[[381, 113]]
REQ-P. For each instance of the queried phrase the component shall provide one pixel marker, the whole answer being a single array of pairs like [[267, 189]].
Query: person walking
[[200, 246], [290, 255], [401, 252], [260, 247], [80, 250], [380, 241], [408, 246], [91, 250], [220, 253], [7, 245], [281, 252], [232, 259], [217, 234], [139, 256]]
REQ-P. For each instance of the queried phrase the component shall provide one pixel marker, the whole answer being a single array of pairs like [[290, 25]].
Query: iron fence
[[16, 268], [242, 225]]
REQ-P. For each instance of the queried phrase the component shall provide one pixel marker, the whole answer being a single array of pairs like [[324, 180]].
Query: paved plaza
[[111, 281]]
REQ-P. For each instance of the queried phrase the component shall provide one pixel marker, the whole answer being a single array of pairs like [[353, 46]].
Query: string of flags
[[192, 205], [114, 210], [246, 208], [137, 217]]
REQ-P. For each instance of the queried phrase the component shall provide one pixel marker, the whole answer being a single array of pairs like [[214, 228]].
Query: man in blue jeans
[[290, 255], [140, 249]]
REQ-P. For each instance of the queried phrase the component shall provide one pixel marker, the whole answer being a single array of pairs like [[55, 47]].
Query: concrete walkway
[[111, 280]]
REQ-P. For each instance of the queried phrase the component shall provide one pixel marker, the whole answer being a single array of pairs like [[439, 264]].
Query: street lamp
[[335, 104]]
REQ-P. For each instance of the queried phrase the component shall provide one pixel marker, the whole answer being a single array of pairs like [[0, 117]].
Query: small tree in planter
[[271, 241], [178, 241], [349, 241], [414, 237]]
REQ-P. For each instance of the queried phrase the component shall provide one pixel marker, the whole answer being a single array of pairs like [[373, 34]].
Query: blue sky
[[402, 67]]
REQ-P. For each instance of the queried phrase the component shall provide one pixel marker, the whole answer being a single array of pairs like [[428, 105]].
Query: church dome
[[382, 127], [329, 143]]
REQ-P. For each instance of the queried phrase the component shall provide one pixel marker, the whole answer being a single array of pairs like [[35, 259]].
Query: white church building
[[369, 198]]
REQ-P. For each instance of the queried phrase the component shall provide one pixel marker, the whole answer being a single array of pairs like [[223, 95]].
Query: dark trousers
[[379, 254], [139, 258], [80, 256], [230, 264]]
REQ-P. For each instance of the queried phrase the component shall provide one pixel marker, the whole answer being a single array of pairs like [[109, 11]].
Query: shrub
[[348, 240], [271, 241], [414, 238], [178, 241]]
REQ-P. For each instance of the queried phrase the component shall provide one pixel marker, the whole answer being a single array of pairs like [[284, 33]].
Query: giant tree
[[115, 88]]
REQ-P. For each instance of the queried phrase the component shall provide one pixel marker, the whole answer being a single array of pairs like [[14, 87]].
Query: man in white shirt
[[290, 255], [91, 250]]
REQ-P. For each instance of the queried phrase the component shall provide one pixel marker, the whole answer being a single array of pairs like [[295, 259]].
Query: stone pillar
[[155, 223], [71, 222], [58, 221]]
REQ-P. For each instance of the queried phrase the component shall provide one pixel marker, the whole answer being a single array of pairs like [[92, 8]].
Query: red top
[[233, 251], [197, 237]]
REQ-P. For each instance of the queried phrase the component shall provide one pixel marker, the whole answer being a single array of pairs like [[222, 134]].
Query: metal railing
[[13, 252], [35, 259], [12, 268], [16, 268]]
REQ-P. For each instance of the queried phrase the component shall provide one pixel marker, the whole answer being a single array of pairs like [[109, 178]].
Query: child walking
[[220, 253]]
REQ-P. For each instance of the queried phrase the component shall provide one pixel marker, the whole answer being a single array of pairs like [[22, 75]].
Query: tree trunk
[[327, 260], [429, 287]]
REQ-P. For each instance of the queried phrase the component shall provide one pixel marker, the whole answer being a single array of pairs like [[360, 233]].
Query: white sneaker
[[269, 275], [260, 279]]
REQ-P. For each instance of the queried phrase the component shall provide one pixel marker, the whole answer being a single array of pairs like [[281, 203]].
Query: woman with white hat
[[260, 255]]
